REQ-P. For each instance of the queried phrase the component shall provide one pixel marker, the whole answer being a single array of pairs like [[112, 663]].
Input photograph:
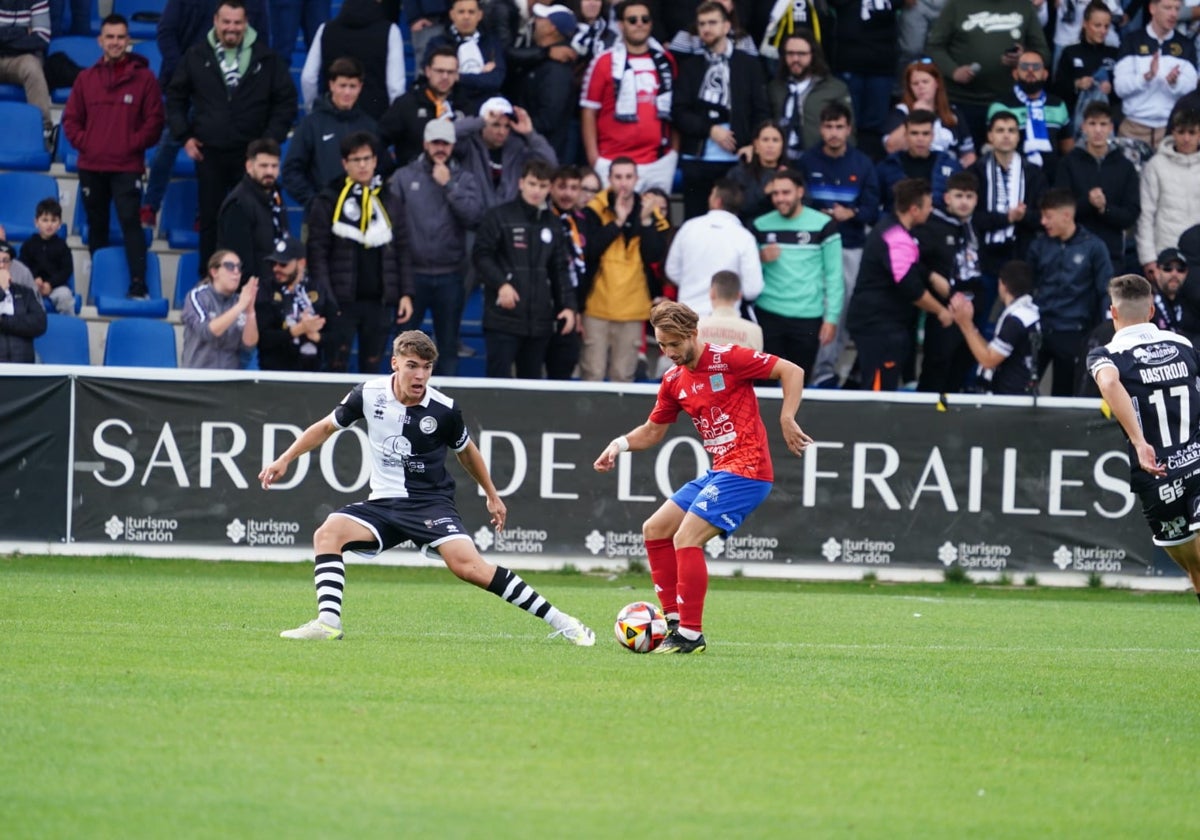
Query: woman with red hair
[[923, 89]]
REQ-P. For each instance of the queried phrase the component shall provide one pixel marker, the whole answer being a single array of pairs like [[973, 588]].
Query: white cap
[[496, 105]]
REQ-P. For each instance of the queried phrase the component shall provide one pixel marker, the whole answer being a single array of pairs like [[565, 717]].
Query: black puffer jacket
[[521, 244], [333, 260], [263, 105], [246, 226], [17, 331]]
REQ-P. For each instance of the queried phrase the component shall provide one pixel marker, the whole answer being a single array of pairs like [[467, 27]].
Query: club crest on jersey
[[717, 381], [428, 425]]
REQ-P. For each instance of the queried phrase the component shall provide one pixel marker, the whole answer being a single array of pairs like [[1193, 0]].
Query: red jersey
[[641, 140], [719, 397]]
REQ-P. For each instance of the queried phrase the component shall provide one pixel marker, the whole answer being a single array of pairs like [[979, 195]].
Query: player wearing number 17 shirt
[[410, 426], [714, 385], [1148, 378]]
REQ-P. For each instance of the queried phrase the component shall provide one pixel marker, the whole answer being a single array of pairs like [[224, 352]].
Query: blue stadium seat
[[109, 285], [65, 341], [79, 223], [142, 15], [150, 50], [22, 191], [65, 153], [21, 143], [184, 166], [132, 342], [12, 93], [84, 50], [187, 274], [177, 222], [95, 17]]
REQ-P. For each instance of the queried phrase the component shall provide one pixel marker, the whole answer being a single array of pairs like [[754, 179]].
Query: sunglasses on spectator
[[632, 19], [1035, 66], [229, 265], [1174, 267]]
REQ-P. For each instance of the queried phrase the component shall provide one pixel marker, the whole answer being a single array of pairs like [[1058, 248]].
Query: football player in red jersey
[[714, 385]]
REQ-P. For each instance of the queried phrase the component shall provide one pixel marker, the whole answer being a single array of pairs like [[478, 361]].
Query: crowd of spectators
[[923, 180]]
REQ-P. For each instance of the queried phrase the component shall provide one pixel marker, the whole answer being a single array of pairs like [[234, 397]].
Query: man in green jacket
[[801, 252]]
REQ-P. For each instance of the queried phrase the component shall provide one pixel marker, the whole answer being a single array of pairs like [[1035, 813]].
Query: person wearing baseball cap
[[441, 201], [547, 85], [496, 145], [292, 314], [1172, 310]]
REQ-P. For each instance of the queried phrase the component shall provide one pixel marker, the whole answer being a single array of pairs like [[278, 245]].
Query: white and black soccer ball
[[640, 627]]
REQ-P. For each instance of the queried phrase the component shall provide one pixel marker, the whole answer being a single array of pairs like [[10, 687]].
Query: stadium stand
[[177, 222], [187, 274]]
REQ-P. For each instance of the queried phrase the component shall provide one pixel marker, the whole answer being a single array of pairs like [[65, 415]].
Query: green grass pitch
[[152, 698]]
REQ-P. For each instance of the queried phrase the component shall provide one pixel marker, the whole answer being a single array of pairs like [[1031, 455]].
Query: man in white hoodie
[[1170, 190]]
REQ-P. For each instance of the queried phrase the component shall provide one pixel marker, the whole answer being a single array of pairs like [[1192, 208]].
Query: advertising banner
[[996, 487], [35, 424]]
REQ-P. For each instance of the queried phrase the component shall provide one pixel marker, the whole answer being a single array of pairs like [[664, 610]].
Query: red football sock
[[693, 586], [663, 571]]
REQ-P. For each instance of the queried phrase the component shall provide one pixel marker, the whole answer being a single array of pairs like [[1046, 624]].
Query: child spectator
[[49, 258], [950, 250]]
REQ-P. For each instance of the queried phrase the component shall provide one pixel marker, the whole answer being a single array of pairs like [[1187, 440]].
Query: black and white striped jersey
[[1158, 368], [408, 443]]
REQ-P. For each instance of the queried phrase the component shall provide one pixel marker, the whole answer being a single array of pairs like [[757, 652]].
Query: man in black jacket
[[720, 98], [358, 249], [1006, 217], [314, 154], [22, 317], [229, 89], [252, 221], [521, 259], [545, 88], [1105, 184], [430, 98], [292, 314], [1071, 290]]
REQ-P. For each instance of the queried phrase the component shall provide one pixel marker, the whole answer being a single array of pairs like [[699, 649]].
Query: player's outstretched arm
[[309, 439], [472, 462], [643, 437], [791, 377], [1114, 393]]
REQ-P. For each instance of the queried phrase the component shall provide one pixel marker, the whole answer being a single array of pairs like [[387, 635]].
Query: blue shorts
[[393, 521], [722, 499]]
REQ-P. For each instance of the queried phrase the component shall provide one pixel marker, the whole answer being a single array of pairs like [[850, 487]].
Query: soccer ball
[[641, 626]]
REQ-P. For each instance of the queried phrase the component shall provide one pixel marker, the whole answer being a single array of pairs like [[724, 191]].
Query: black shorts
[[1172, 509], [393, 521]]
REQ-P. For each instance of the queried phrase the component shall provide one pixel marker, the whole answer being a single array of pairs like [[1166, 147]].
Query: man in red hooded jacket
[[113, 115]]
